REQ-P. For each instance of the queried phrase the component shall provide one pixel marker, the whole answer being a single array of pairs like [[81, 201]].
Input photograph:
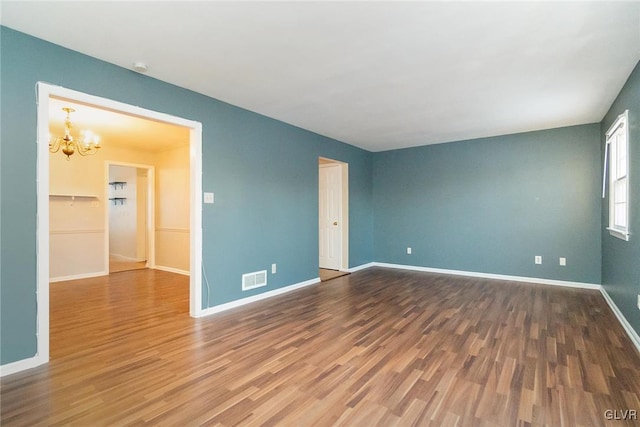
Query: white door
[[330, 184]]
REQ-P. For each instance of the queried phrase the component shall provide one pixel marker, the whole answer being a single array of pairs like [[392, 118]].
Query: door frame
[[151, 209], [344, 206], [44, 92]]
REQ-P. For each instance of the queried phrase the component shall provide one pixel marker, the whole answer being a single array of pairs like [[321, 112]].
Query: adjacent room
[[320, 213]]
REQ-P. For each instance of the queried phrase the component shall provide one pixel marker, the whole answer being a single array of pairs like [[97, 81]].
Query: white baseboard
[[491, 276], [633, 335], [172, 270], [361, 267], [21, 365], [238, 303], [78, 276], [35, 361]]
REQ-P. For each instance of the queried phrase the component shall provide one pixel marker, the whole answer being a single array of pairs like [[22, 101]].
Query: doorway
[[130, 216], [46, 92], [333, 217]]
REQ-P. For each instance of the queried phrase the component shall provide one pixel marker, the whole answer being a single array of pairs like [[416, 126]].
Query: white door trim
[[44, 92], [151, 209]]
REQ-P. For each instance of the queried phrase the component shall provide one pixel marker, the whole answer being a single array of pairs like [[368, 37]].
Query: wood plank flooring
[[377, 347], [326, 274]]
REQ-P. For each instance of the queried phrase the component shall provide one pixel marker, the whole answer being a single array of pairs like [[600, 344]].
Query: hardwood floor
[[377, 347], [326, 274]]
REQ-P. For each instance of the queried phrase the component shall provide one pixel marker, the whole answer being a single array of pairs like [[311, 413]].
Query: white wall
[[172, 209], [76, 236], [77, 230], [141, 214]]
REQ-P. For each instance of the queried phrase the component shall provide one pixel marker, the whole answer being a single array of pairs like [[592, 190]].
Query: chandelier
[[87, 144]]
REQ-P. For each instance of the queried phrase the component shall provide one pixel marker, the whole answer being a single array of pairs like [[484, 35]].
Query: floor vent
[[254, 280]]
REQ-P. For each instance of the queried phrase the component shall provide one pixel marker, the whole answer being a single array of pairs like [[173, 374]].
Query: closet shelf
[[73, 196], [116, 183], [118, 199]]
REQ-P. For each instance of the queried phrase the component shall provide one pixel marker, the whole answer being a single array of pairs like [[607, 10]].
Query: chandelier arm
[[83, 150], [54, 146]]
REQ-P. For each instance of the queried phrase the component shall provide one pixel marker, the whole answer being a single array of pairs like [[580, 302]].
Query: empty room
[[320, 213]]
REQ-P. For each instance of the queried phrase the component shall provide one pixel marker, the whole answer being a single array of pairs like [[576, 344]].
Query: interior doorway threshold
[[326, 274]]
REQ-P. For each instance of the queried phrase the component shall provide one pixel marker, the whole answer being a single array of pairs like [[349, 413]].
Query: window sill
[[619, 234]]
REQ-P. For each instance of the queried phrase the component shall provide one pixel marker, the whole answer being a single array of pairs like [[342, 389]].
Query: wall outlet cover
[[563, 261], [409, 251], [538, 259]]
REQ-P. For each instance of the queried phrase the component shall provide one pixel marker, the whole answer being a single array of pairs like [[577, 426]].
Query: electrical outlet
[[563, 261], [638, 301], [409, 251], [208, 198], [273, 269], [538, 259]]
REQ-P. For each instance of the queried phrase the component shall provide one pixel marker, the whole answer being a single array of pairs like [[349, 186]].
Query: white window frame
[[616, 159]]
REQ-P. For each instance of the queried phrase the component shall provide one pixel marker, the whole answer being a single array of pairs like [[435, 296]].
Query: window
[[617, 160]]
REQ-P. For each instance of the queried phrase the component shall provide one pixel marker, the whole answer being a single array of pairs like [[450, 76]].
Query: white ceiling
[[378, 75], [116, 129]]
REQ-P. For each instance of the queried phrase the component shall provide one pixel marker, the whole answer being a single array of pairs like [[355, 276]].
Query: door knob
[[335, 222]]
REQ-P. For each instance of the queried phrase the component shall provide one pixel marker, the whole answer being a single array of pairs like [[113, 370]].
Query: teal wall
[[620, 259], [486, 205], [490, 205], [264, 174]]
